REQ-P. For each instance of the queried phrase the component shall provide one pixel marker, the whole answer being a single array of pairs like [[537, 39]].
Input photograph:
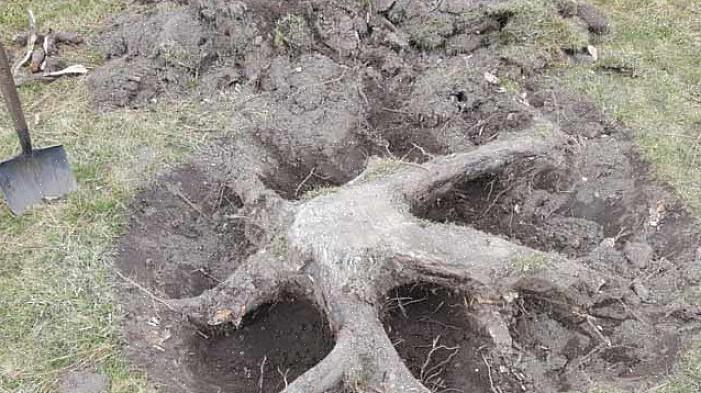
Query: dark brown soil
[[430, 328], [325, 86], [283, 339], [185, 236]]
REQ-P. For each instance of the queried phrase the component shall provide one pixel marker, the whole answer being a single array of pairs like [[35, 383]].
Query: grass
[[530, 263], [661, 41], [57, 309]]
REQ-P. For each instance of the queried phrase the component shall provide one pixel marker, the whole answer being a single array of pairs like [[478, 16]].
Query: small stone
[[638, 254], [83, 382]]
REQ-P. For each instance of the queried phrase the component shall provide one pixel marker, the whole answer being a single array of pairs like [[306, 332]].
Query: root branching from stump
[[345, 250]]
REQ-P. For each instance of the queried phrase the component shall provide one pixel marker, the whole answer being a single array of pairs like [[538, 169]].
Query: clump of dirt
[[430, 327], [314, 90]]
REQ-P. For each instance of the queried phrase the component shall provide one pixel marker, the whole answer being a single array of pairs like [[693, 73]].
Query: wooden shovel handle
[[14, 106]]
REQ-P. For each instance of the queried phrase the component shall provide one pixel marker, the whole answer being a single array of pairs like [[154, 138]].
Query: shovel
[[36, 174]]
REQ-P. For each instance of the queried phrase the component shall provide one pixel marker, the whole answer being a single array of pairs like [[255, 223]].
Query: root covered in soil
[[376, 159]]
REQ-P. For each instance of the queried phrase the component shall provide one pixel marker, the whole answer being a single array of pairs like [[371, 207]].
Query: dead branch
[[31, 40], [262, 374], [50, 76], [64, 37], [306, 179]]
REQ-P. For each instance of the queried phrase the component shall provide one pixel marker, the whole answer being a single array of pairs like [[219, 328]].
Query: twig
[[399, 111], [603, 338], [262, 373], [31, 40], [428, 357], [204, 273], [76, 69], [423, 151], [306, 179], [175, 191], [496, 199], [284, 376], [495, 389], [439, 323], [42, 66], [439, 368], [144, 290], [435, 370], [401, 305]]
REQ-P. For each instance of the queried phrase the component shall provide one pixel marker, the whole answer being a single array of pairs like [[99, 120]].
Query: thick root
[[258, 281], [443, 173], [326, 375]]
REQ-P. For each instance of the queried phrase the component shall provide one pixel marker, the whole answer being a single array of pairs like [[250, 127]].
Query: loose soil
[[430, 328], [315, 91]]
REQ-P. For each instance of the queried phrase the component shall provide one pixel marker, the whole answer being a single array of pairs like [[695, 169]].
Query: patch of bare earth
[[499, 243]]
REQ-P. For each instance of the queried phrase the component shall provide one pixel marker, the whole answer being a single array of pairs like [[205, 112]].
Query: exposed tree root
[[347, 249]]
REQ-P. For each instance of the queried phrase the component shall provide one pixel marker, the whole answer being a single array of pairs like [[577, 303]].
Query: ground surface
[[303, 99]]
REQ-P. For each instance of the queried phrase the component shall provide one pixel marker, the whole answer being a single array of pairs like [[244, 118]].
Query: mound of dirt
[[508, 238]]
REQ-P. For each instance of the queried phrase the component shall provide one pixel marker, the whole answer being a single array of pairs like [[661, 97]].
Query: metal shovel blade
[[30, 178]]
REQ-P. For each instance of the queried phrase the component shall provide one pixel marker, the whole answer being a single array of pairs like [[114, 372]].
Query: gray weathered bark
[[347, 249]]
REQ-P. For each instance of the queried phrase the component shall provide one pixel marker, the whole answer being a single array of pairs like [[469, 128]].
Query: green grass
[[82, 16], [57, 310], [656, 43], [56, 305], [661, 40]]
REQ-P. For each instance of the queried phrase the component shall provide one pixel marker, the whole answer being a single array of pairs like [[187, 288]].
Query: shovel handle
[[14, 106]]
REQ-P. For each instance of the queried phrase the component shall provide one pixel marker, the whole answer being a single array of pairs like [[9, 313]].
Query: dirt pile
[[509, 237]]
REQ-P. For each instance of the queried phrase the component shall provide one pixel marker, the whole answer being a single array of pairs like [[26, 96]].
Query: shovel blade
[[28, 179]]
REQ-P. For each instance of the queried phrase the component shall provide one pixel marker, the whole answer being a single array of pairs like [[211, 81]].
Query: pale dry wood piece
[[74, 70], [49, 48], [31, 40]]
